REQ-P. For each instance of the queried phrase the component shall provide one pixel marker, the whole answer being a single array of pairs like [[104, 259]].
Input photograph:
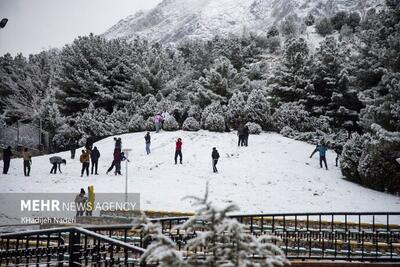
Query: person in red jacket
[[178, 151]]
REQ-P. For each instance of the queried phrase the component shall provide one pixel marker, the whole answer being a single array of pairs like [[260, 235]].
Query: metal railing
[[364, 236], [72, 246]]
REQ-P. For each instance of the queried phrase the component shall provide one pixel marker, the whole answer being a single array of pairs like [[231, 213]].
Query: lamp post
[[126, 152]]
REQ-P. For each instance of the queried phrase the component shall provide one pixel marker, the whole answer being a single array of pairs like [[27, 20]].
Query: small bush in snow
[[254, 128], [214, 123], [136, 123], [191, 124], [149, 124], [171, 124]]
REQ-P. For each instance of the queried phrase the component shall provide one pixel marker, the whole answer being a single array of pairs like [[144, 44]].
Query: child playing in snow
[[321, 148]]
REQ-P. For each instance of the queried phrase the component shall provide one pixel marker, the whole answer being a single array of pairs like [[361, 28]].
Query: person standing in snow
[[240, 135], [321, 148], [95, 155], [338, 151], [147, 139], [178, 151], [56, 161], [80, 202], [158, 121], [165, 116], [177, 116], [215, 157], [246, 133], [72, 148], [7, 154], [90, 202], [85, 160], [26, 155], [118, 158]]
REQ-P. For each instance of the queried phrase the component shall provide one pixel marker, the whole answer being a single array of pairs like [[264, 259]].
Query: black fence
[[72, 246], [366, 237]]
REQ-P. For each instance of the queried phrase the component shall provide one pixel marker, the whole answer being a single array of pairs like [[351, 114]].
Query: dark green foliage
[[339, 19], [324, 27]]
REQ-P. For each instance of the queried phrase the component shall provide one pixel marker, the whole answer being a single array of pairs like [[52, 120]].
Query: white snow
[[273, 174]]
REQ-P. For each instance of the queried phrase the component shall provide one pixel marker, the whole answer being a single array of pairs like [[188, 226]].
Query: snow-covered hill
[[173, 20], [273, 174]]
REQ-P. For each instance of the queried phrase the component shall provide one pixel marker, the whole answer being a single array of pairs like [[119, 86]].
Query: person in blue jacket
[[321, 148]]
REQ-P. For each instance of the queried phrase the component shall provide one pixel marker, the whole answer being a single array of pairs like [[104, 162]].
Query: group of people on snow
[[85, 204], [90, 157]]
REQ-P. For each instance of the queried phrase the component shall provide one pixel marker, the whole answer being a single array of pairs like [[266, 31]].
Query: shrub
[[214, 123], [149, 124], [254, 128], [171, 124], [351, 156], [191, 124], [378, 168], [136, 123], [339, 19], [324, 27]]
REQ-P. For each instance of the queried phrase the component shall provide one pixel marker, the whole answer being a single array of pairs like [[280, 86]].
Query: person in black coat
[[95, 155], [215, 157], [147, 139], [246, 133], [240, 132], [7, 154]]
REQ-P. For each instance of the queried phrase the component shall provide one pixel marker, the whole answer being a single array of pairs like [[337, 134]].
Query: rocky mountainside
[[173, 20]]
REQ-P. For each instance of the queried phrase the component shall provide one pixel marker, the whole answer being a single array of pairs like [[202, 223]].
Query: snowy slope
[[273, 174], [174, 20]]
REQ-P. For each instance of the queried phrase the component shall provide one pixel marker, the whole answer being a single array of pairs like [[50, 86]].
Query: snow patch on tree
[[170, 124], [191, 124], [136, 123], [254, 128], [214, 123]]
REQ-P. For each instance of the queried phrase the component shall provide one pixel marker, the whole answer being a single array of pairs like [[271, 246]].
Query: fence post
[[74, 248]]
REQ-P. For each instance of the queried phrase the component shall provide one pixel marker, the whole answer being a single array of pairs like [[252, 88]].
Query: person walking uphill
[[178, 151], [85, 160], [147, 139], [7, 154], [95, 155], [321, 148], [26, 155], [56, 161], [215, 157]]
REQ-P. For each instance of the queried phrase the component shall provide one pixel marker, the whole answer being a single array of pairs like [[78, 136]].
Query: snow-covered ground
[[273, 174]]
